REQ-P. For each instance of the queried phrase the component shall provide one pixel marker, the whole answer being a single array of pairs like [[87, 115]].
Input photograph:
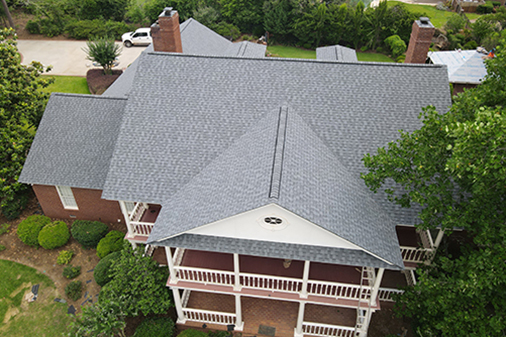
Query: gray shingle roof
[[336, 53], [281, 160], [277, 250], [74, 142], [193, 108]]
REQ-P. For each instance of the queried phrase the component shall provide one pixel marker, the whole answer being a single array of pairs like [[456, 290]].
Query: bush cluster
[[64, 257], [29, 229], [54, 235], [12, 207], [71, 272], [102, 272], [4, 228], [74, 290], [88, 233], [112, 242], [89, 29], [156, 326]]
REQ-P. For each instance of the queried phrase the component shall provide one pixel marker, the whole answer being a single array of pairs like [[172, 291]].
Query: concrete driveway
[[68, 57]]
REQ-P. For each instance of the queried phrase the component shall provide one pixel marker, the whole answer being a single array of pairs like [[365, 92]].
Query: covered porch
[[417, 246], [289, 280], [140, 218], [266, 317]]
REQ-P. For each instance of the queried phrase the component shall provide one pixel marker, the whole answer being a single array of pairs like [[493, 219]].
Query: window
[[67, 197]]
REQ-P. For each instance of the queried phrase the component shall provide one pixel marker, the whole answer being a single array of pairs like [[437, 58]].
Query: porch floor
[[281, 315], [271, 266]]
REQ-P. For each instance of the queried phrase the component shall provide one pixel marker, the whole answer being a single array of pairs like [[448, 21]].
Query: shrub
[[32, 27], [485, 9], [2, 248], [74, 290], [4, 228], [88, 233], [71, 272], [89, 29], [228, 30], [54, 235], [192, 333], [471, 45], [29, 229], [156, 326], [103, 51], [64, 257], [112, 242], [12, 207], [397, 46], [49, 28], [102, 269], [455, 23]]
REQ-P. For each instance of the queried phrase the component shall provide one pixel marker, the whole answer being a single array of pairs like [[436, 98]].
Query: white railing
[[317, 329], [137, 212], [415, 255], [426, 238], [206, 276], [272, 283], [205, 316], [338, 290], [142, 228], [385, 294]]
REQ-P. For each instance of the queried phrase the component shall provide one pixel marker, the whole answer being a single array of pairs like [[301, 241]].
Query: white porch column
[[170, 263], [439, 238], [237, 283], [239, 324], [181, 318], [300, 319], [376, 286], [123, 208], [305, 278]]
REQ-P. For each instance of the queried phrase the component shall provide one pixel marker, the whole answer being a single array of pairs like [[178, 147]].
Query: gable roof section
[[336, 53], [74, 142], [280, 160], [193, 108], [464, 66]]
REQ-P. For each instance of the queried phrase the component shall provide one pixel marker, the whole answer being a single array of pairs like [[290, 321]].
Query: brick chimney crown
[[165, 32], [419, 43]]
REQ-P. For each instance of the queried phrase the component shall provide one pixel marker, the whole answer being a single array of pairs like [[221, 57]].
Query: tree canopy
[[22, 103], [454, 167]]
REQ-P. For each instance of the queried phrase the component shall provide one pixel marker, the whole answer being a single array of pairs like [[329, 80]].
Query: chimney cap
[[167, 11]]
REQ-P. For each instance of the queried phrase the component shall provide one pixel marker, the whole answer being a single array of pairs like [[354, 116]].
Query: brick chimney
[[165, 32], [419, 43]]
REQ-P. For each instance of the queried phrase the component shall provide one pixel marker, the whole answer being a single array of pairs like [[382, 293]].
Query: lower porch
[[266, 317]]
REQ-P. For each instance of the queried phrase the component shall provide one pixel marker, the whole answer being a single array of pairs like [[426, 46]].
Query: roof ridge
[[286, 59], [87, 96], [279, 152]]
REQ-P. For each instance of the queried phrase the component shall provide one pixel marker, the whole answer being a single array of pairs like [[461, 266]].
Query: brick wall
[[89, 202]]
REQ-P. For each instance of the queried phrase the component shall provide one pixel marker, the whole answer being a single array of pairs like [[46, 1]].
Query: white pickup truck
[[141, 36]]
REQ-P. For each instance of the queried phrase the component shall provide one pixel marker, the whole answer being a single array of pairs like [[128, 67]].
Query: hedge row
[[80, 29]]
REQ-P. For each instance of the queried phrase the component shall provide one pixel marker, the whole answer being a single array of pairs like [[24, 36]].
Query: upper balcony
[[321, 283], [416, 246], [142, 218]]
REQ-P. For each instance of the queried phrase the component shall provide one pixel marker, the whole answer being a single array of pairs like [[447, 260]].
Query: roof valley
[[279, 152]]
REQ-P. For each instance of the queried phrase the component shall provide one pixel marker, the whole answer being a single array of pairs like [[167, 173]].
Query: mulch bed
[[98, 82]]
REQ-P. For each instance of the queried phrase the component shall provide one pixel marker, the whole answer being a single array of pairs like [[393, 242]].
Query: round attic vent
[[273, 221]]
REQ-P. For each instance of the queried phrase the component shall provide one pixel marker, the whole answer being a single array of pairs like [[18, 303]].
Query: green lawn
[[40, 318], [437, 17], [299, 53], [69, 84]]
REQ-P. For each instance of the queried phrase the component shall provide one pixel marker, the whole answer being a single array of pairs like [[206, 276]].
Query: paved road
[[67, 57]]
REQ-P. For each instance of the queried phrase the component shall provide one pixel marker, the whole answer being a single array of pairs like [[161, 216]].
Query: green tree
[[454, 168], [104, 319], [103, 51], [140, 282], [277, 20], [310, 28], [22, 103]]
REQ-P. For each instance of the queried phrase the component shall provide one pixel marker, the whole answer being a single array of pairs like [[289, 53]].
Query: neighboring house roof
[[196, 39], [336, 53], [74, 142], [266, 165], [464, 66]]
